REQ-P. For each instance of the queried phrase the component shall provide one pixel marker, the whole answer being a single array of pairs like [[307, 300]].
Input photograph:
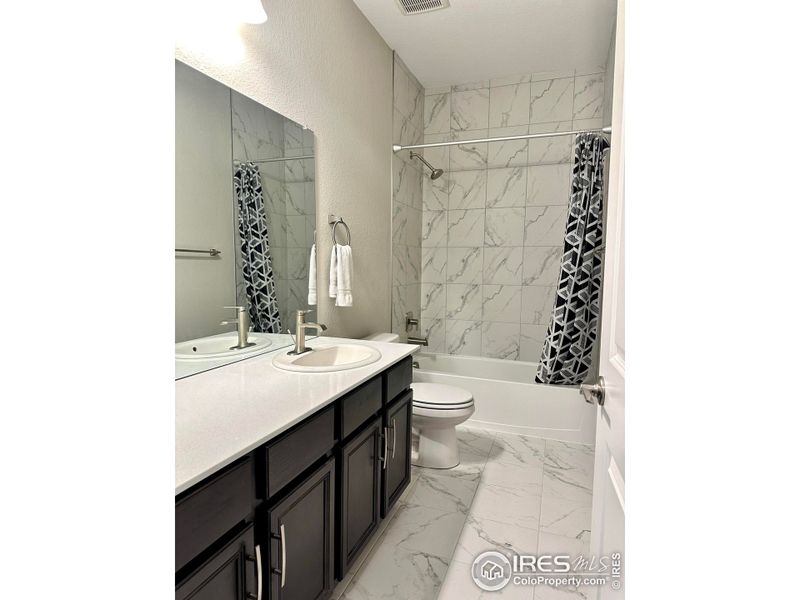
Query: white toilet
[[436, 410]]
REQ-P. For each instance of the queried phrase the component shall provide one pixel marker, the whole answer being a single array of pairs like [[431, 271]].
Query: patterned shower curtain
[[256, 262], [572, 332]]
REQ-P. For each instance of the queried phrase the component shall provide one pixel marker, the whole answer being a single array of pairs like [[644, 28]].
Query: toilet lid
[[437, 395]]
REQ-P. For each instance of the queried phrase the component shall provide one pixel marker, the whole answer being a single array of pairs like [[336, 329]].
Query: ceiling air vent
[[414, 7]]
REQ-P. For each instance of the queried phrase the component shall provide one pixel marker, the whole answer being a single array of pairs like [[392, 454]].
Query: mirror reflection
[[245, 216]]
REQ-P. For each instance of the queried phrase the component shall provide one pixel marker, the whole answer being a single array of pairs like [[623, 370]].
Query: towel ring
[[334, 221]]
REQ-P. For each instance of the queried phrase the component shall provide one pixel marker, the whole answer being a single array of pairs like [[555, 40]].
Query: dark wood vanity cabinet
[[360, 462], [397, 471], [288, 519], [231, 574], [301, 539]]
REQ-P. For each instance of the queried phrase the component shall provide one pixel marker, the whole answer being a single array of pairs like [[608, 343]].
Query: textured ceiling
[[477, 40]]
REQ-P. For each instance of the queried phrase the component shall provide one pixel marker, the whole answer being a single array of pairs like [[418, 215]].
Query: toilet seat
[[436, 396]]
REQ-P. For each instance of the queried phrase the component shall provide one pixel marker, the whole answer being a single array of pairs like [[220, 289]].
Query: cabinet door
[[359, 506], [397, 473], [301, 539], [231, 574]]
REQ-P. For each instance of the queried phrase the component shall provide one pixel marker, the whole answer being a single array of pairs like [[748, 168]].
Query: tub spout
[[418, 340]]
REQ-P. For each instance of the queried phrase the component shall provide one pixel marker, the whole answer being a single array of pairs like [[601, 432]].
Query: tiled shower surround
[[289, 202], [493, 224], [407, 176]]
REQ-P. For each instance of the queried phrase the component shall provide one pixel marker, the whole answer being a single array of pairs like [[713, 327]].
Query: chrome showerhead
[[435, 173]]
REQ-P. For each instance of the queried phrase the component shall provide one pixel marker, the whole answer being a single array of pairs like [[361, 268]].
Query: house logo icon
[[491, 571]]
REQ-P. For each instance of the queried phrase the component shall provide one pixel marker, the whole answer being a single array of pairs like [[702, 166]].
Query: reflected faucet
[[300, 333], [242, 323]]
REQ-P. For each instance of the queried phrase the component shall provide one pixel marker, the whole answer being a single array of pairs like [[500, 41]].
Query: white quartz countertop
[[224, 413]]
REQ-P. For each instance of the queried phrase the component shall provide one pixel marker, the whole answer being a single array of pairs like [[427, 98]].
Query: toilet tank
[[383, 337]]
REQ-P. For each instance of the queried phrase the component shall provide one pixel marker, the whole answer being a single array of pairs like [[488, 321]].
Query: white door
[[608, 506]]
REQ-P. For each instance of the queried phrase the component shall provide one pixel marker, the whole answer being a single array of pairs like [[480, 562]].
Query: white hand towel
[[312, 276], [344, 276], [332, 288]]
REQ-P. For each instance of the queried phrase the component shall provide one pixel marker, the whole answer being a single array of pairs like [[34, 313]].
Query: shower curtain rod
[[507, 138], [283, 158]]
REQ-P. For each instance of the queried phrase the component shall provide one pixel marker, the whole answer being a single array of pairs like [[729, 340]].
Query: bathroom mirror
[[245, 217]]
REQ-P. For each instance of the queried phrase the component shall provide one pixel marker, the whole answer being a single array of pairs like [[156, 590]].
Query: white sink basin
[[328, 358], [220, 346]]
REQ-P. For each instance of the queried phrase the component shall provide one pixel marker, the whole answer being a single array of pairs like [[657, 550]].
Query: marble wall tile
[[513, 153], [501, 303], [544, 75], [434, 265], [296, 231], [502, 265], [433, 329], [530, 341], [400, 213], [463, 337], [399, 261], [432, 301], [465, 228], [434, 228], [470, 85], [540, 264], [537, 304], [588, 101], [437, 113], [552, 100], [544, 225], [403, 129], [469, 110], [436, 192], [294, 198], [500, 340], [297, 263], [413, 266], [464, 301], [468, 190], [510, 80], [506, 187], [464, 265], [414, 228], [505, 226], [402, 90], [548, 184], [553, 149], [469, 156], [509, 105], [439, 156]]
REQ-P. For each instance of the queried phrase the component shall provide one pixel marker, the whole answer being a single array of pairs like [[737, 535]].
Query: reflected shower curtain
[[572, 332], [256, 262]]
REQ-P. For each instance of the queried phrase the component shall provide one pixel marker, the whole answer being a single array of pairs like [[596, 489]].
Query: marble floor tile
[[519, 450], [425, 529], [567, 518], [558, 544], [515, 504], [544, 592], [500, 473], [458, 585], [398, 573], [568, 471], [475, 440], [482, 535], [440, 491]]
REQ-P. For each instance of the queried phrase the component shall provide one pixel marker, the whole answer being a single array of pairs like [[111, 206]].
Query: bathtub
[[506, 399]]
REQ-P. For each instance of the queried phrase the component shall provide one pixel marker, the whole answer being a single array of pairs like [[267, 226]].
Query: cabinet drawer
[[397, 379], [298, 450], [358, 406], [207, 513]]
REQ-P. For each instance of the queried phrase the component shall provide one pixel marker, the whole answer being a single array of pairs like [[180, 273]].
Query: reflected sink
[[219, 346], [328, 358]]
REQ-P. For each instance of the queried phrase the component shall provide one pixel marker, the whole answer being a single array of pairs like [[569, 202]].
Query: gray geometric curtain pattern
[[572, 331], [254, 245]]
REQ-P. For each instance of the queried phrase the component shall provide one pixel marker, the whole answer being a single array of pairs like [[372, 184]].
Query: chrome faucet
[[300, 334], [242, 323]]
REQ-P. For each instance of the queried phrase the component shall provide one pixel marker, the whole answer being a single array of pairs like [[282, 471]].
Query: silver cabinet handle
[[257, 560], [258, 569], [385, 446], [283, 556], [282, 570], [394, 437]]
